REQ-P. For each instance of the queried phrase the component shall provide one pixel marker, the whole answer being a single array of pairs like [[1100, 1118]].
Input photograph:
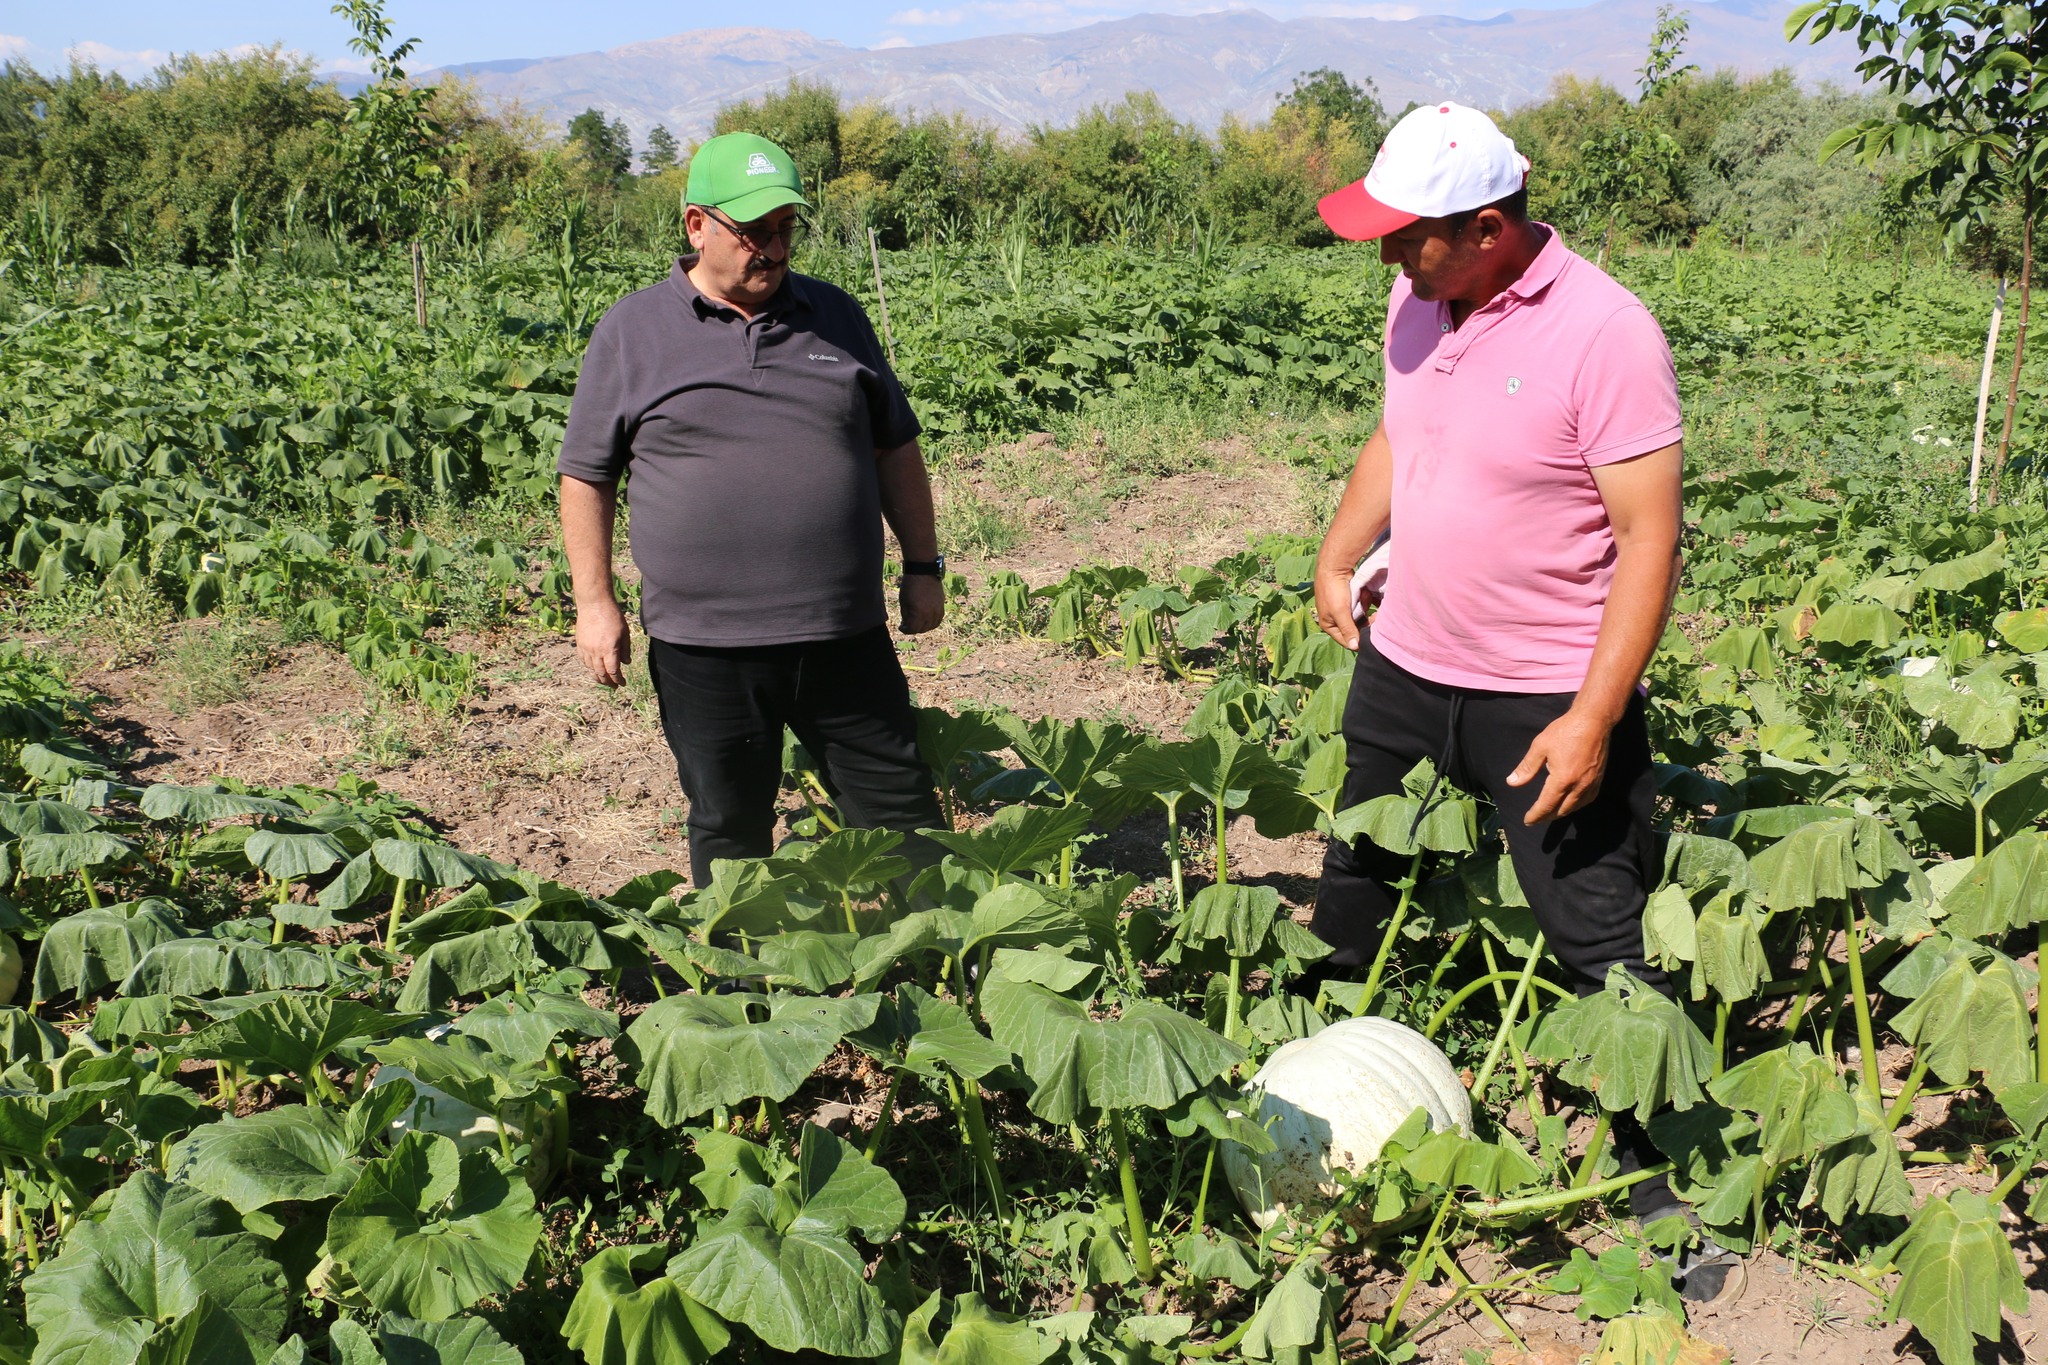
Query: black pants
[[1587, 876], [723, 711]]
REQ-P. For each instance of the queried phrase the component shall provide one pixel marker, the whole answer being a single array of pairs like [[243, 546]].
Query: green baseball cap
[[744, 177]]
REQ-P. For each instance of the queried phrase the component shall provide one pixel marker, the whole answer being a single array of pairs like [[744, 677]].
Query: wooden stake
[[2019, 340], [1984, 390], [419, 284], [875, 255]]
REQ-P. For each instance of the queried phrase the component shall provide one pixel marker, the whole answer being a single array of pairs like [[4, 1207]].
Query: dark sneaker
[[1700, 1272]]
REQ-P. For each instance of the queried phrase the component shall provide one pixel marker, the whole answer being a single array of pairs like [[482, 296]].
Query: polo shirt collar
[[795, 291], [1549, 262]]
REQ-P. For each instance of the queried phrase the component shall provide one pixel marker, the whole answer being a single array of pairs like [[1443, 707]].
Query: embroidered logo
[[832, 358], [758, 164], [1514, 385]]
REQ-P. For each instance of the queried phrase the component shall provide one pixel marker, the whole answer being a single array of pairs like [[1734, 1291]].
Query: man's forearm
[[588, 513], [907, 501], [1363, 512], [1638, 605]]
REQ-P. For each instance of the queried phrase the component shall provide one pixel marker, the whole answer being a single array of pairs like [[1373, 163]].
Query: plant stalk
[[1379, 962], [1557, 1199], [1134, 1208], [1866, 1036], [397, 914], [1425, 1254], [968, 1093], [1595, 1144], [1507, 1023]]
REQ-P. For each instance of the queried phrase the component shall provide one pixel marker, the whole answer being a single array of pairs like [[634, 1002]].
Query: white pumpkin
[[473, 1130], [1331, 1102]]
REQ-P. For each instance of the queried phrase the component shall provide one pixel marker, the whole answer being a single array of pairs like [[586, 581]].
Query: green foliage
[[391, 147], [607, 146]]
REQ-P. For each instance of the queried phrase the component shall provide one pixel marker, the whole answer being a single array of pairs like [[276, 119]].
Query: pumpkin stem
[[1134, 1209], [1379, 963], [1508, 1017]]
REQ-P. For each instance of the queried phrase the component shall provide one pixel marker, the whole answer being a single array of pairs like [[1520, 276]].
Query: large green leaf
[[523, 1027], [294, 1153], [691, 1053], [1147, 1057], [1956, 1270], [843, 1191], [796, 1285], [162, 1252], [207, 804], [60, 855], [217, 966], [435, 864], [1627, 1044], [2005, 889], [1797, 1100], [295, 1033], [937, 1033], [850, 861], [94, 949], [400, 1340], [619, 1319], [1238, 916], [973, 1334], [1018, 839], [427, 1231], [30, 1119], [472, 1070], [1823, 860], [1864, 1173], [292, 856], [1972, 1020]]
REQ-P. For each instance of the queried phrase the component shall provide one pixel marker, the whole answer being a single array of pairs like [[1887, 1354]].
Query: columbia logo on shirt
[[1514, 385], [816, 356]]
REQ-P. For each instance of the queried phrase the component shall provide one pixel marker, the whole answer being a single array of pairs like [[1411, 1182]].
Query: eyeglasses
[[757, 237]]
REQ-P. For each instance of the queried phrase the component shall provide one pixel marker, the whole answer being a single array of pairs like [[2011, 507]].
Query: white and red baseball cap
[[1440, 159]]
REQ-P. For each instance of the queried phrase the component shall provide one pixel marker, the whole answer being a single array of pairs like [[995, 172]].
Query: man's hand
[[602, 640], [1333, 607], [1574, 750], [922, 599]]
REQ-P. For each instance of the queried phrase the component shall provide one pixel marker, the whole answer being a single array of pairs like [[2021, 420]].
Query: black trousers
[[1587, 876], [723, 711]]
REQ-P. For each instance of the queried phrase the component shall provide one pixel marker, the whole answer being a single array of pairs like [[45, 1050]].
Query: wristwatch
[[929, 568]]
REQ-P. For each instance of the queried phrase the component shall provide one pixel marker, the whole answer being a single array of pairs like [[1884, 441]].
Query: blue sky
[[133, 36]]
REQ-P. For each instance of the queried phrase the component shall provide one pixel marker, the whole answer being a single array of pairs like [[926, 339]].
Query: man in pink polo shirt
[[1527, 463]]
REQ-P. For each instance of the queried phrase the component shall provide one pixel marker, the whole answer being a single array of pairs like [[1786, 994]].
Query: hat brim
[[1356, 216], [759, 203]]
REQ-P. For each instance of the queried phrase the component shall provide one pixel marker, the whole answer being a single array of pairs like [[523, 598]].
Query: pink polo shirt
[[1502, 550]]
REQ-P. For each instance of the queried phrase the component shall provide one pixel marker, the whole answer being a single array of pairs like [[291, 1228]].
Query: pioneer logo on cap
[[757, 164]]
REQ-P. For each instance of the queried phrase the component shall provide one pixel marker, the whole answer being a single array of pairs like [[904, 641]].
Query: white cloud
[[125, 61], [893, 40], [930, 18]]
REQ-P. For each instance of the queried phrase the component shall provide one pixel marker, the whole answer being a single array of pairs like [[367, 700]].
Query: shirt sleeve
[[595, 445], [1627, 390]]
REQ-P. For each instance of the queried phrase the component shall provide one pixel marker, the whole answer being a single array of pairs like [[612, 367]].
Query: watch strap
[[929, 568]]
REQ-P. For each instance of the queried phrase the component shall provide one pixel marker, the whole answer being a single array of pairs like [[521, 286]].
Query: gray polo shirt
[[756, 513]]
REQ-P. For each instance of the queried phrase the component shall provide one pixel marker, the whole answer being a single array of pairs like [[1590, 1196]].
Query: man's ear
[[693, 226], [1491, 226]]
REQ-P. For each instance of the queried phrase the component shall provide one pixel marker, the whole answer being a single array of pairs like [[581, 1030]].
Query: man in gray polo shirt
[[766, 440]]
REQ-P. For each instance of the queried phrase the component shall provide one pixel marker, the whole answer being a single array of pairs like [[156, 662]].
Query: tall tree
[[662, 150], [608, 145], [1340, 100], [391, 146], [1971, 117]]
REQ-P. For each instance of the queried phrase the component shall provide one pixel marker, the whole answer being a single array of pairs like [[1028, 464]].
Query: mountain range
[[1202, 66]]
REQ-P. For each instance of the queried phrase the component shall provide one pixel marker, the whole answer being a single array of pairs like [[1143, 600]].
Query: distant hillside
[[1201, 66]]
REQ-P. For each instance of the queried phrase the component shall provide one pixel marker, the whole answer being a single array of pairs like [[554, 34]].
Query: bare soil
[[545, 770]]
